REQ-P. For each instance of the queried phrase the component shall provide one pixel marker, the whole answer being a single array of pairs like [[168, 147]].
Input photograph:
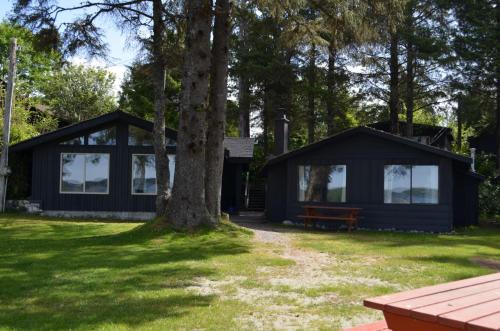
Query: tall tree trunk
[[217, 111], [159, 143], [498, 115], [497, 53], [244, 83], [394, 83], [459, 125], [244, 107], [331, 88], [410, 76], [311, 95], [265, 117], [187, 208]]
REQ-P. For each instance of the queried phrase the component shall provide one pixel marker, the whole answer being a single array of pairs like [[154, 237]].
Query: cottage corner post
[[9, 102], [187, 207]]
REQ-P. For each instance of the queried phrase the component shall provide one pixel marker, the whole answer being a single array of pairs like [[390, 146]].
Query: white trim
[[84, 173], [132, 175]]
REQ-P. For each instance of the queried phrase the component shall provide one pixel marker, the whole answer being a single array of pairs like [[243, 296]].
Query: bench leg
[[352, 223]]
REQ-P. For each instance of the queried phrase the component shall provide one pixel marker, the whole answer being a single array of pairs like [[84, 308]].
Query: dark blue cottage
[[399, 183], [105, 166]]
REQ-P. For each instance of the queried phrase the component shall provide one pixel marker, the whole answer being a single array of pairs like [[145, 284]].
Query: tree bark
[[266, 110], [331, 88], [159, 143], [497, 53], [244, 84], [217, 110], [394, 83], [187, 208], [459, 125], [498, 114], [410, 76], [311, 95], [244, 107]]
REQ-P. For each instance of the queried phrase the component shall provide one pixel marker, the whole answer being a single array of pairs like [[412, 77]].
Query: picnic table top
[[469, 304], [330, 207]]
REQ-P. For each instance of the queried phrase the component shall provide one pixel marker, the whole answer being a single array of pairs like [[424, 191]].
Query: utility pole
[[9, 101]]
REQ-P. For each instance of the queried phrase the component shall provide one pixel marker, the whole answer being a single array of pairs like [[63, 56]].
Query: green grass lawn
[[57, 274]]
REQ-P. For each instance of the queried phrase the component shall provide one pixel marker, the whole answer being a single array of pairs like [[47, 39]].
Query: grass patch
[[88, 275], [83, 275]]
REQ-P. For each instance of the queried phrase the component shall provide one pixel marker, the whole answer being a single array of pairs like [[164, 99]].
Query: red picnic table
[[468, 305]]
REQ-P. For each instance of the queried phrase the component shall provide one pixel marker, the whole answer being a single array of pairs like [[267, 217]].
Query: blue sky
[[121, 51]]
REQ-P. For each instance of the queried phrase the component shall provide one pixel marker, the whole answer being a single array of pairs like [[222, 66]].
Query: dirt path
[[290, 297], [312, 269]]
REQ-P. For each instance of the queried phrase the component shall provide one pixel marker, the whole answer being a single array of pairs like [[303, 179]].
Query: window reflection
[[322, 183], [103, 137], [73, 172], [424, 184], [411, 184], [144, 173], [84, 173], [74, 141], [139, 137]]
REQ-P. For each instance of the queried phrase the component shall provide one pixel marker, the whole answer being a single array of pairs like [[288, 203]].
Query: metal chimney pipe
[[473, 157], [281, 134]]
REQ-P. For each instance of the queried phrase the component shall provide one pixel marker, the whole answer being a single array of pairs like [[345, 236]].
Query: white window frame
[[84, 173], [132, 175]]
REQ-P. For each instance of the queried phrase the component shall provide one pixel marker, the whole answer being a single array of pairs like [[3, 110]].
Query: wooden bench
[[377, 326], [348, 215]]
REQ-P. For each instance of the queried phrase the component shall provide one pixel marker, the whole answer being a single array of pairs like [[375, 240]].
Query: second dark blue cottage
[[398, 182]]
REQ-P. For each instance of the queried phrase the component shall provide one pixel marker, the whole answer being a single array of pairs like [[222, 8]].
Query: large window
[[139, 137], [103, 137], [144, 173], [322, 183], [411, 184], [84, 173], [74, 141]]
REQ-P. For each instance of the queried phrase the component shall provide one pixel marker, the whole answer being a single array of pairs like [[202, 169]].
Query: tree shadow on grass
[[128, 278]]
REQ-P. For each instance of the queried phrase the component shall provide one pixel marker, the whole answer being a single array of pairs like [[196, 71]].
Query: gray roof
[[239, 147]]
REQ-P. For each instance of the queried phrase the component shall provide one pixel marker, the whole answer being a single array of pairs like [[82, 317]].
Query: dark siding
[[232, 181], [46, 176], [365, 157], [276, 192], [465, 197], [47, 167]]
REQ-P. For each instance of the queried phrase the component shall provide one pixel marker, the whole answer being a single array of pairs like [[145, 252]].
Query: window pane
[[97, 173], [103, 137], [171, 167], [143, 174], [139, 137], [322, 183], [171, 142], [397, 181], [337, 184], [74, 141], [72, 174], [425, 183]]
